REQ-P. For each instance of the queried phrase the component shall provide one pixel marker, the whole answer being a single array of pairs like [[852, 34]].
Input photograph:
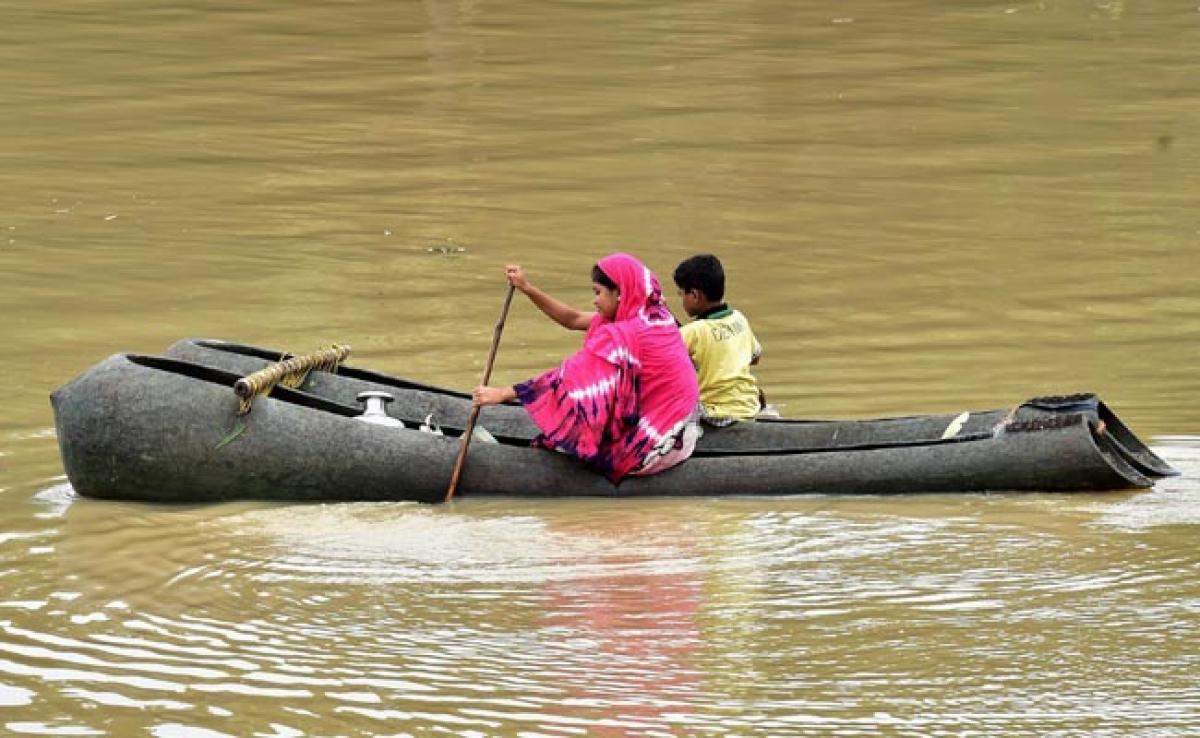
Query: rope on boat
[[290, 373]]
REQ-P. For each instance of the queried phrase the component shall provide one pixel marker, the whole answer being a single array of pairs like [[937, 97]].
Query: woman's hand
[[516, 277], [482, 396]]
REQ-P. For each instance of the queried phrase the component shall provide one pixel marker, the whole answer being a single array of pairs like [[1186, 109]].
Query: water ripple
[[596, 614]]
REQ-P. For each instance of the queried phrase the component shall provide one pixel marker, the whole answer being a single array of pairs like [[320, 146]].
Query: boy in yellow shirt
[[720, 342]]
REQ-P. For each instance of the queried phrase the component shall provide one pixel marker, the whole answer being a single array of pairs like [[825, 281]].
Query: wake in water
[[1172, 501]]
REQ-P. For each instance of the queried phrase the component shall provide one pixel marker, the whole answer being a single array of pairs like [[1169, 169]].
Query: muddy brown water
[[922, 208]]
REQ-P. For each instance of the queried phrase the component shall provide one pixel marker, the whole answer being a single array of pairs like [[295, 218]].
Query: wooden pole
[[465, 443]]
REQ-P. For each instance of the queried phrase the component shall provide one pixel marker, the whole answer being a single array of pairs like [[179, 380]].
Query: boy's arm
[[687, 332], [756, 354]]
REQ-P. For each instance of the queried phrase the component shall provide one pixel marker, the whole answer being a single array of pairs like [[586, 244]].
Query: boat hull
[[166, 430]]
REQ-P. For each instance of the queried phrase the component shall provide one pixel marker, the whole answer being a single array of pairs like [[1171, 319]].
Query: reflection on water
[[920, 208]]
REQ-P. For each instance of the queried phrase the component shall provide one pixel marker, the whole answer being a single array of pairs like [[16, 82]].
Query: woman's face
[[606, 300]]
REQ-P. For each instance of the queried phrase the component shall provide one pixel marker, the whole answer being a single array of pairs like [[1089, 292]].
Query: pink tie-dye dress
[[624, 401]]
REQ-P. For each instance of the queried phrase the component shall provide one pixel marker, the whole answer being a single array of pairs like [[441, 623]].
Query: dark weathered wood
[[160, 429], [510, 423]]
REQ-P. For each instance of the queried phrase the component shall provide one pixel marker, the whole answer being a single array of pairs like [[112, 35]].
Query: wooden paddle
[[487, 375]]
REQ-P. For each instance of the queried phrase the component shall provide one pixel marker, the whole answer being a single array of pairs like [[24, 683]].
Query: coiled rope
[[290, 373]]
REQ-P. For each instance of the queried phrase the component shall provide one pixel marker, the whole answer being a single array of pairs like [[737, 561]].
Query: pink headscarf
[[627, 394], [641, 294]]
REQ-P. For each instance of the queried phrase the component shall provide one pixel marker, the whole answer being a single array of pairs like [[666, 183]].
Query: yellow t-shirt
[[722, 346]]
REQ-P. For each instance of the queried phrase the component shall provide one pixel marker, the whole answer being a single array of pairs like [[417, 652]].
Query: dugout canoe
[[414, 401], [166, 429]]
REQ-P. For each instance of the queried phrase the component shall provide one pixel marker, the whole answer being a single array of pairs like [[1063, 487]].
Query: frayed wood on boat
[[162, 429]]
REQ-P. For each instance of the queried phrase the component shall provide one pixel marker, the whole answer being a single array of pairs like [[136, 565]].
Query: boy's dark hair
[[599, 277], [702, 272]]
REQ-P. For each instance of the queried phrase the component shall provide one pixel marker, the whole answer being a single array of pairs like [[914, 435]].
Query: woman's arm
[[559, 312], [484, 395]]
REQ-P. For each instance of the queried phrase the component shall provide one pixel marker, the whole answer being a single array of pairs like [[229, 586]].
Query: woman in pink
[[626, 402]]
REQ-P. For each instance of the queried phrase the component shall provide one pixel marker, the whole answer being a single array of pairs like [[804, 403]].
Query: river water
[[922, 207]]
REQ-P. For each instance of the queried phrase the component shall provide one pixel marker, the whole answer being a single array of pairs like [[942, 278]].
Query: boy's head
[[701, 283]]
